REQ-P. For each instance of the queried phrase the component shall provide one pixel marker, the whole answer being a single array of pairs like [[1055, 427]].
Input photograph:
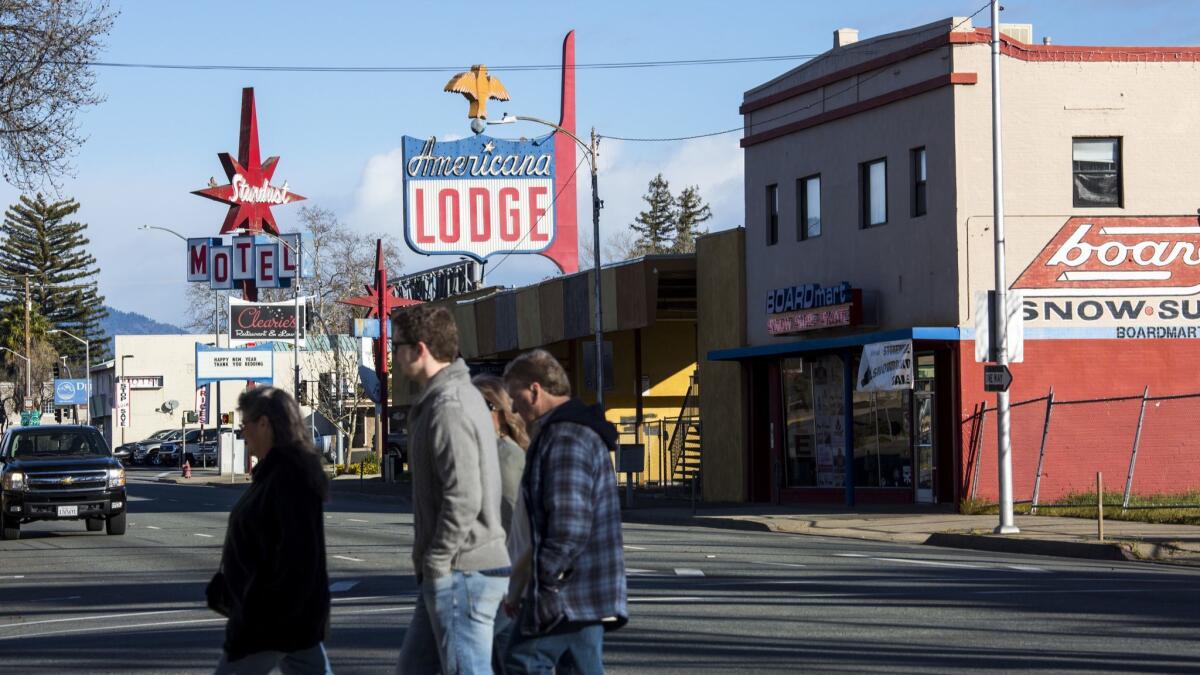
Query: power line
[[615, 65], [539, 220], [857, 83]]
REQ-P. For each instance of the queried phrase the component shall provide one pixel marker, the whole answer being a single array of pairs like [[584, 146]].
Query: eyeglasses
[[491, 406]]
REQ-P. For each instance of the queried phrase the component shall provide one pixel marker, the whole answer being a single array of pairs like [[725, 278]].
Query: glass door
[[925, 424]]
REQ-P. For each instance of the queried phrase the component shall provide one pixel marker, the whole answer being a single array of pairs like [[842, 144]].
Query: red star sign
[[250, 194]]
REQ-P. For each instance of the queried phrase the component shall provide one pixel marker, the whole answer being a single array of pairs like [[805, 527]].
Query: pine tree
[[690, 212], [39, 242], [655, 227]]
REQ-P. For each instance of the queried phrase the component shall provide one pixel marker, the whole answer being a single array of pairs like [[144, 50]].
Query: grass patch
[[1160, 508]]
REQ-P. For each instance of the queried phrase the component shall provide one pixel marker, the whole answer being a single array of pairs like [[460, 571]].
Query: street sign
[[122, 415], [28, 403], [32, 418], [70, 392], [996, 378]]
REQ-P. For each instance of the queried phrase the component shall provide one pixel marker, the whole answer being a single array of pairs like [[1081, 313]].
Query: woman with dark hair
[[272, 584], [511, 442]]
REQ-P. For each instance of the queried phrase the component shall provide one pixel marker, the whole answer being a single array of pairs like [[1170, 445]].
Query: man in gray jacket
[[458, 556]]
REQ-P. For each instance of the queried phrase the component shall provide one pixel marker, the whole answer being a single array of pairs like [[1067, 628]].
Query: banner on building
[[886, 366], [479, 196], [202, 404], [122, 401], [217, 364], [264, 322]]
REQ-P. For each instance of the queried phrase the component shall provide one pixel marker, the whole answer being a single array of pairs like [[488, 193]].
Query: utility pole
[[1004, 440], [28, 361]]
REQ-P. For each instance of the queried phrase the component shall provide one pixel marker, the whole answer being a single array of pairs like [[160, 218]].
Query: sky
[[156, 136]]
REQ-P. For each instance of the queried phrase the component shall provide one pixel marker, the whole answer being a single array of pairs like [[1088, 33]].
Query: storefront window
[[882, 450], [814, 407], [800, 458]]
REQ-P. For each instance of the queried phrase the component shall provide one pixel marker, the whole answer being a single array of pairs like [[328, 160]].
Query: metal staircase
[[685, 444]]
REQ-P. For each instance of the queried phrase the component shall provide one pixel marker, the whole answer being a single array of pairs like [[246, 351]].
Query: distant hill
[[132, 323]]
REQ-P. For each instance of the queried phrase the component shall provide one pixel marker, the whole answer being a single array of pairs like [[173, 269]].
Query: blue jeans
[[451, 629], [571, 648], [311, 661]]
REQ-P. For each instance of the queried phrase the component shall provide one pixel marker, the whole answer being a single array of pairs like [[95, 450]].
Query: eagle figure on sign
[[477, 86]]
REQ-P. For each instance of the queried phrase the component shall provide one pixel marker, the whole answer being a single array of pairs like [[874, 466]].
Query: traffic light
[[58, 415], [226, 419], [57, 370], [190, 417]]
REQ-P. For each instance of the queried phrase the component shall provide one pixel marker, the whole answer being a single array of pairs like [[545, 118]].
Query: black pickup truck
[[60, 472]]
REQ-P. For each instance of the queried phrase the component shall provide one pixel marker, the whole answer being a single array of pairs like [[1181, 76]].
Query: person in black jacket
[[272, 584]]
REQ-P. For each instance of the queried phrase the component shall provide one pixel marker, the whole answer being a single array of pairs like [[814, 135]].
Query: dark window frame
[[919, 185], [772, 214], [864, 192], [1120, 163], [802, 208]]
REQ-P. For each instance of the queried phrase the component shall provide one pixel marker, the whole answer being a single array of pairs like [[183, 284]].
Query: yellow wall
[[668, 361]]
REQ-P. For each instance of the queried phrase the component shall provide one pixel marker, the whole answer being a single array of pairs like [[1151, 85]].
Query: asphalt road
[[702, 600]]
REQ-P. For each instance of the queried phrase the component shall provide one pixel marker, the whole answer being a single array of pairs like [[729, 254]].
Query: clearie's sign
[[479, 196], [266, 262]]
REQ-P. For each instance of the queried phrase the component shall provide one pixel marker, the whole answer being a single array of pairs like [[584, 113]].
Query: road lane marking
[[779, 564], [910, 561], [165, 473], [346, 557], [1028, 568], [679, 598], [637, 571], [201, 534], [635, 548], [13, 576], [342, 586], [93, 618], [688, 572], [153, 527], [357, 520]]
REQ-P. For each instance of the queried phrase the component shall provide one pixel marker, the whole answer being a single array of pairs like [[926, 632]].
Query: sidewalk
[[938, 526]]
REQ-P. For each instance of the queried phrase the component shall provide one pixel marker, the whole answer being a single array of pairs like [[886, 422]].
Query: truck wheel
[[115, 524], [95, 524], [9, 528]]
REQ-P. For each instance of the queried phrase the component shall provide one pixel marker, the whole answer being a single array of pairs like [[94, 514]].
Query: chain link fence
[[1142, 444]]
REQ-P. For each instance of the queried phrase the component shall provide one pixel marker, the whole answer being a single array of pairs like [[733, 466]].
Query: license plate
[[64, 511]]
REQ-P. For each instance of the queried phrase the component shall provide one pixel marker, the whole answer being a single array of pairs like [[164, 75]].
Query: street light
[[87, 357], [590, 149], [28, 387], [296, 305]]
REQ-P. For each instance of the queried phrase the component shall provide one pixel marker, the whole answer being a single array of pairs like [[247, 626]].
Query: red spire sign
[[249, 194]]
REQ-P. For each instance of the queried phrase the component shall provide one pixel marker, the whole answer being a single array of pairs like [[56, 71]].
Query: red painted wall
[[1088, 437]]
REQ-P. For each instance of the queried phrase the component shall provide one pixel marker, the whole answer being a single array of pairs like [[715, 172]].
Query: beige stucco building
[[868, 188]]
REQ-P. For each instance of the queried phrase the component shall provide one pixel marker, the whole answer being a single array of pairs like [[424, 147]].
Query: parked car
[[204, 453], [397, 444], [168, 452], [144, 451], [60, 472]]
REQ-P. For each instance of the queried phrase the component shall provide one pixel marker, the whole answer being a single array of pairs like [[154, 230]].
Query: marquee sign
[[263, 261], [264, 321], [478, 196], [250, 193], [216, 364], [796, 309]]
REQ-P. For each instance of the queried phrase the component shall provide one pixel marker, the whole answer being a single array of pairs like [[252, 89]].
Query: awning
[[830, 344]]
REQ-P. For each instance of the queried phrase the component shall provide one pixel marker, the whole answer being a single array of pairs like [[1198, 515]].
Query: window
[[874, 192], [1096, 171], [772, 215], [882, 454], [918, 182], [814, 422], [808, 193]]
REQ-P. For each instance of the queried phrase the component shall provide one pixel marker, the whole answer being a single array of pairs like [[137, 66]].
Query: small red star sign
[[250, 194]]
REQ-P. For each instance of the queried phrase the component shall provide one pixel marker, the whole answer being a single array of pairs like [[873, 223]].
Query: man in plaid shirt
[[576, 587]]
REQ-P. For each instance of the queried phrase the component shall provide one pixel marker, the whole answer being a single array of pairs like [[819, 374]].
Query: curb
[[1116, 551], [1062, 549]]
